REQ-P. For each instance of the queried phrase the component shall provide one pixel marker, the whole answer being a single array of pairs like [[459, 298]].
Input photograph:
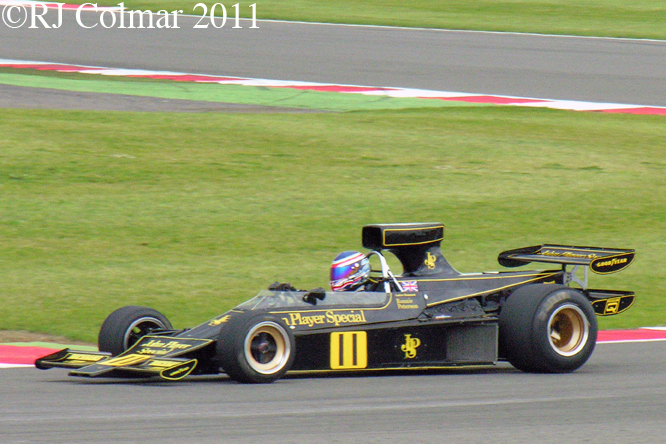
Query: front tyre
[[547, 329], [260, 349], [125, 326]]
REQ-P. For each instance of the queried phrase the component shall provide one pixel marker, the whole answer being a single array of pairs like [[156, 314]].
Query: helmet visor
[[347, 265], [343, 272]]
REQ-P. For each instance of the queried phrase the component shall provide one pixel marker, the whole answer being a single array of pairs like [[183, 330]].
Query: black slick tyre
[[547, 328], [259, 349], [125, 326]]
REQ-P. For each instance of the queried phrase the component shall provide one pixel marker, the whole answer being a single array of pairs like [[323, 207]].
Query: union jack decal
[[409, 286]]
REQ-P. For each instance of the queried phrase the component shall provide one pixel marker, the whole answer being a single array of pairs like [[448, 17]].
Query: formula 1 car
[[429, 316]]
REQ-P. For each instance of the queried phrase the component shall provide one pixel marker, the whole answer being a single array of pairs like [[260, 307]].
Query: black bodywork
[[429, 316]]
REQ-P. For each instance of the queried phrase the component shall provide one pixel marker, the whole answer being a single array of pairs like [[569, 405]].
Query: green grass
[[615, 18], [238, 94], [193, 213]]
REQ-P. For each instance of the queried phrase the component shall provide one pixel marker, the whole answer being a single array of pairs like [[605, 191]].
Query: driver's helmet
[[349, 271]]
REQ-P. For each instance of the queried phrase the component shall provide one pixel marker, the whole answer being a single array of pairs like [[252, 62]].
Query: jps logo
[[410, 346], [430, 261]]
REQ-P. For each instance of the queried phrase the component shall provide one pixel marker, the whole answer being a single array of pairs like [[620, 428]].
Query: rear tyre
[[547, 328], [257, 350], [125, 326]]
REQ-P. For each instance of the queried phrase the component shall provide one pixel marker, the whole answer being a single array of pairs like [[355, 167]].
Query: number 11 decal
[[349, 350]]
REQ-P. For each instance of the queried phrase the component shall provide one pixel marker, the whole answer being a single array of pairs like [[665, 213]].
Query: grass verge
[[192, 214], [251, 95]]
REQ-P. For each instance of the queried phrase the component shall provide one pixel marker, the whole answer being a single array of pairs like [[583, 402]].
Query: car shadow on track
[[501, 368]]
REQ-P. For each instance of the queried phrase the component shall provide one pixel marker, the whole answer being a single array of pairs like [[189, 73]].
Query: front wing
[[169, 358]]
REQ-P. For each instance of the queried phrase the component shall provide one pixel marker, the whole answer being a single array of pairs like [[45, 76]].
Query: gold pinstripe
[[410, 229], [459, 298], [337, 309], [425, 367]]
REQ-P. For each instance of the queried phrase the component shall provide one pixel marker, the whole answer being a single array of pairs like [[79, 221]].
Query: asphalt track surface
[[569, 68], [37, 98], [619, 396]]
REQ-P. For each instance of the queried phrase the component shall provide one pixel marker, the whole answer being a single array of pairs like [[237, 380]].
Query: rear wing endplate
[[600, 260]]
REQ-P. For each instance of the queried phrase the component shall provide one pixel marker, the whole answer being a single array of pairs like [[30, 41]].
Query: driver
[[350, 271]]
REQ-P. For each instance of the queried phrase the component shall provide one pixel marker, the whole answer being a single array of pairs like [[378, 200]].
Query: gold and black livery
[[428, 316]]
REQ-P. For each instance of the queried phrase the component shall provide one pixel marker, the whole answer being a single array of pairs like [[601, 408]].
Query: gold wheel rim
[[568, 330], [267, 348]]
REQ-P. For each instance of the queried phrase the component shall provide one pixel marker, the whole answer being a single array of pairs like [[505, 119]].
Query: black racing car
[[430, 316]]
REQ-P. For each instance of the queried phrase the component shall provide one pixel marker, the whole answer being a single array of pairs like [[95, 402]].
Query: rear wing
[[600, 260]]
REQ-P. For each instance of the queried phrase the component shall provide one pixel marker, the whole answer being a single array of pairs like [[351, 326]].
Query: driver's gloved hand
[[281, 286]]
